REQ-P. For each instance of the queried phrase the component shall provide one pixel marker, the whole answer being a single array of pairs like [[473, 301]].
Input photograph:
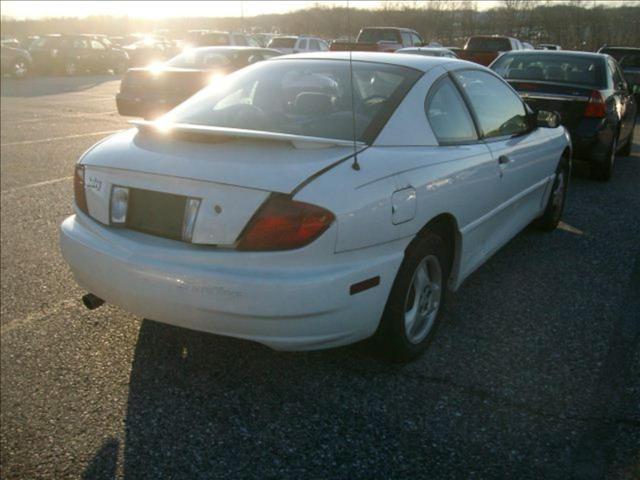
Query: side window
[[498, 109], [416, 40], [96, 45], [240, 40], [302, 44], [406, 39], [448, 114], [324, 46], [314, 45]]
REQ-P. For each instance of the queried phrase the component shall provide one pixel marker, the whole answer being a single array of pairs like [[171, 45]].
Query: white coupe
[[312, 201]]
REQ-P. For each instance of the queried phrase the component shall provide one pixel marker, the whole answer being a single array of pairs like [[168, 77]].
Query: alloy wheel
[[422, 302]]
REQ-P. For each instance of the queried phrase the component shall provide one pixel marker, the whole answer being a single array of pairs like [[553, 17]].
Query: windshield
[[302, 97], [199, 58], [488, 44], [375, 35], [552, 68], [282, 42]]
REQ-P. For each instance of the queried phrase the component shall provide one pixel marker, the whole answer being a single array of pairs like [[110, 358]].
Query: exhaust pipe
[[91, 301]]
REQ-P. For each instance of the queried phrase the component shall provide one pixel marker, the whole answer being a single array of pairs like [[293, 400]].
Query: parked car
[[381, 39], [484, 49], [589, 92], [150, 50], [429, 51], [256, 210], [74, 54], [629, 60], [548, 46], [151, 91], [263, 39], [205, 38], [301, 44], [15, 61]]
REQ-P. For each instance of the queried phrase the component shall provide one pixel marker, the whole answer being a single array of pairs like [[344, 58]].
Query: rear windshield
[[552, 68], [375, 35], [619, 53], [302, 97], [282, 42], [488, 44], [200, 58], [210, 39], [630, 61]]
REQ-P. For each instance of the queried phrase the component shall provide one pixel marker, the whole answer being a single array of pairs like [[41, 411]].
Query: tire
[[555, 205], [70, 68], [398, 339], [20, 68], [626, 150], [120, 67], [603, 170]]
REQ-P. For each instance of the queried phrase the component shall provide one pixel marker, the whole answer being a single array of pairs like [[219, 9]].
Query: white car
[[256, 210], [293, 44]]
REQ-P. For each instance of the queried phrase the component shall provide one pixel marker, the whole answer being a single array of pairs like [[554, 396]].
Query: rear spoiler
[[298, 141]]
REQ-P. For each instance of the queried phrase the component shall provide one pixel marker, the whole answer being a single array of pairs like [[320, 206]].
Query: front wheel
[[20, 68], [415, 303], [555, 205], [70, 68]]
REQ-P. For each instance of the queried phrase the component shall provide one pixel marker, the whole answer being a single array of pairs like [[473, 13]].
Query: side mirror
[[547, 119]]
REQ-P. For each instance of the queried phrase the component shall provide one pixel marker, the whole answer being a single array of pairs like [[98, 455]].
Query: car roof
[[417, 62], [227, 48], [559, 53], [425, 49]]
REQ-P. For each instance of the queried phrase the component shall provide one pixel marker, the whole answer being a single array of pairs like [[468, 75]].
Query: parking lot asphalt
[[534, 374]]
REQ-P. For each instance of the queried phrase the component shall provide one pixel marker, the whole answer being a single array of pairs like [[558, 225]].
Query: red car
[[484, 49]]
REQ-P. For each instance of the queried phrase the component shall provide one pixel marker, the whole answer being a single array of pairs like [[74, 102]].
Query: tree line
[[579, 24]]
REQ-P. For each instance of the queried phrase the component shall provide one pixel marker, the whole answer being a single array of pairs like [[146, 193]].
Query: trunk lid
[[568, 100], [230, 177]]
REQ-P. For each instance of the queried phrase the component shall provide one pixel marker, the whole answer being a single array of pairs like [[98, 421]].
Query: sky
[[167, 9]]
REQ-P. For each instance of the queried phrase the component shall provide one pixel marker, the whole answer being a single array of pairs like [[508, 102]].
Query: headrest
[[313, 103]]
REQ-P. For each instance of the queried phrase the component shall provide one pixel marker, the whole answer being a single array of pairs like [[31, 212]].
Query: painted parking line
[[38, 184], [55, 139], [73, 115]]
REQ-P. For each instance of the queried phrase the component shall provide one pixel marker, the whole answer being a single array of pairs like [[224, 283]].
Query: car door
[[525, 165], [624, 101], [468, 169], [98, 60]]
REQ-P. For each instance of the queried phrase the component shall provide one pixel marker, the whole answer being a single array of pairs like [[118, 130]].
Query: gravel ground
[[535, 373]]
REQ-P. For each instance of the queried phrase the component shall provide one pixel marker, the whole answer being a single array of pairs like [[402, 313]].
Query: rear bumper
[[591, 140], [238, 294], [132, 106]]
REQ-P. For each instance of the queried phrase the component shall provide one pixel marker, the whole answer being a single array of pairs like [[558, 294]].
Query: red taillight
[[283, 224], [78, 189], [596, 108]]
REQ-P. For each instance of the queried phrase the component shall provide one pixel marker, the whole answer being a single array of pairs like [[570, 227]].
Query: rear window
[[619, 53], [211, 39], [376, 35], [302, 97], [488, 44], [282, 42], [552, 68], [200, 58], [630, 61], [45, 42]]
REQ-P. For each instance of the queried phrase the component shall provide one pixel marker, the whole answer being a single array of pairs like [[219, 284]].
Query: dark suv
[[74, 54]]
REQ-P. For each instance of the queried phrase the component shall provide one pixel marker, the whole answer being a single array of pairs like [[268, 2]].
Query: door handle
[[503, 160]]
